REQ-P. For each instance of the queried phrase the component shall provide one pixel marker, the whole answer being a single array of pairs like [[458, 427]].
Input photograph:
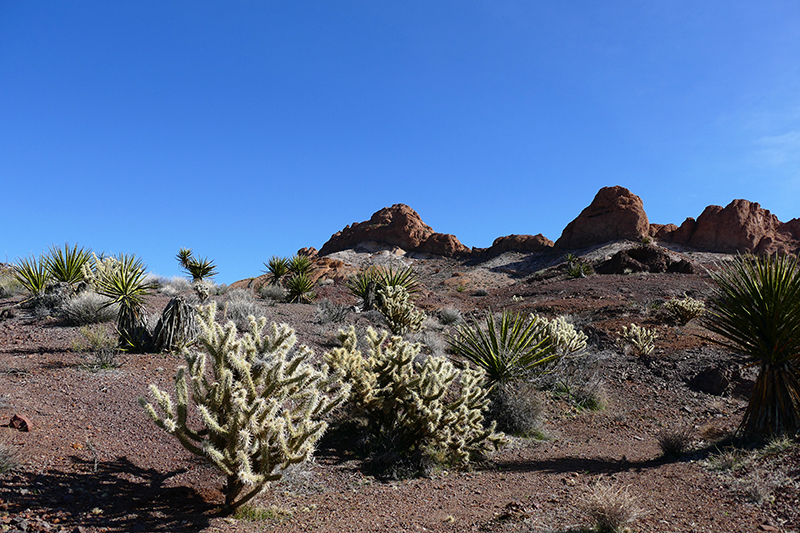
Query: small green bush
[[414, 411]]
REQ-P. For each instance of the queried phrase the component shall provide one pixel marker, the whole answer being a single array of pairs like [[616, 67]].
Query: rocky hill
[[614, 214]]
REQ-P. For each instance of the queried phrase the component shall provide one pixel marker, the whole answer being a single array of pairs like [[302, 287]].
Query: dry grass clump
[[100, 346], [9, 459], [328, 312], [674, 442], [273, 293], [174, 286], [449, 316], [611, 509], [518, 409], [241, 304]]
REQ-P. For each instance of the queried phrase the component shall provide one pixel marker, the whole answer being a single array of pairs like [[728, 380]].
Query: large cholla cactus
[[399, 311], [260, 403], [415, 407]]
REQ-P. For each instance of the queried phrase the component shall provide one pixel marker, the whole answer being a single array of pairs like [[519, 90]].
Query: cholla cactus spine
[[685, 309], [260, 402], [565, 338]]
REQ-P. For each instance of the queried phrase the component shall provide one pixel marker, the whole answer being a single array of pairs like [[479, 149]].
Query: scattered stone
[[20, 423]]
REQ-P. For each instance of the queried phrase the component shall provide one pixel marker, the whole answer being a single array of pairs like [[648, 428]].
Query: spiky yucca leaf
[[33, 274], [507, 351], [67, 265], [300, 288], [756, 311], [277, 268], [183, 256], [200, 269], [299, 264]]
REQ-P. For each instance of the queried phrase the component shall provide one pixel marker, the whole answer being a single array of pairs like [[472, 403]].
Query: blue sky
[[250, 129]]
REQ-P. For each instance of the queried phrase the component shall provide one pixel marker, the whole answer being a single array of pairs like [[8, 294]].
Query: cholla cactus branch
[[641, 339], [399, 311], [259, 401]]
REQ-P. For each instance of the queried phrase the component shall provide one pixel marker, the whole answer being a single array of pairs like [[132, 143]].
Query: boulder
[[395, 226], [712, 380], [649, 258], [519, 243], [614, 214]]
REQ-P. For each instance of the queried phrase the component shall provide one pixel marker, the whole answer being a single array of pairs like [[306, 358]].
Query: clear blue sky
[[247, 129]]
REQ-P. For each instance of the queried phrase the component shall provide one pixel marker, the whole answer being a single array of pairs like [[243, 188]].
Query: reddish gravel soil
[[92, 461]]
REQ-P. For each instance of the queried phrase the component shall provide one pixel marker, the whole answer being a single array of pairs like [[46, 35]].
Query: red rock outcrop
[[614, 214], [519, 243], [741, 226], [399, 226]]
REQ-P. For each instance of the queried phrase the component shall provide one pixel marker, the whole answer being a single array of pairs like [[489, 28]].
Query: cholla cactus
[[642, 339], [96, 269], [684, 310], [565, 339], [398, 309], [260, 403], [406, 404]]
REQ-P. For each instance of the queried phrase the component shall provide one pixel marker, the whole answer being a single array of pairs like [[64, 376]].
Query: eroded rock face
[[400, 226], [644, 259], [740, 227], [614, 214], [519, 243]]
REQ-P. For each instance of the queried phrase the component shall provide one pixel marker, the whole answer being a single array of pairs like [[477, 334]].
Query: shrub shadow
[[115, 495]]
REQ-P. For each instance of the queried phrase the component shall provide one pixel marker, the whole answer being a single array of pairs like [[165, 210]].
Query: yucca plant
[[199, 269], [66, 265], [366, 285], [756, 310], [300, 289], [277, 268], [508, 351], [126, 284], [32, 273], [299, 264]]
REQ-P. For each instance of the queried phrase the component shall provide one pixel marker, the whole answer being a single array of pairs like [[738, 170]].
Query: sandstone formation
[[614, 214], [399, 226], [519, 243], [740, 227]]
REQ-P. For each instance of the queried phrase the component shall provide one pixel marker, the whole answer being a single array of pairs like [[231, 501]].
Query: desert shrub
[[300, 289], [480, 292], [611, 509], [508, 351], [579, 270], [685, 309], [240, 305], [66, 265], [517, 408], [9, 284], [174, 286], [414, 411], [123, 280], [9, 459], [642, 340], [432, 343], [299, 265], [755, 310], [100, 346], [177, 328], [399, 311], [449, 316], [277, 268], [328, 312], [259, 403], [32, 273], [88, 307], [276, 293], [674, 442]]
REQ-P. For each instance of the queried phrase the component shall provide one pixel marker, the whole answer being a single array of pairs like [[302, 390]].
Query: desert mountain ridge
[[614, 214]]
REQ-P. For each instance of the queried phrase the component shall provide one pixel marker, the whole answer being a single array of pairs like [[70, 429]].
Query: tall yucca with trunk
[[259, 403], [756, 311]]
